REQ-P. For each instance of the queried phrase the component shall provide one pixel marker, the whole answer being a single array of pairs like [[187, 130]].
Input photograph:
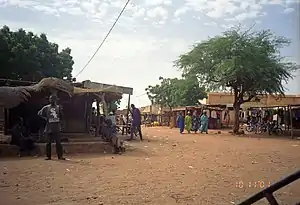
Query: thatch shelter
[[14, 92], [23, 98]]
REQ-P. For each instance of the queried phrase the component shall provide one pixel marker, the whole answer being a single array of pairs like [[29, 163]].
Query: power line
[[141, 95], [103, 41]]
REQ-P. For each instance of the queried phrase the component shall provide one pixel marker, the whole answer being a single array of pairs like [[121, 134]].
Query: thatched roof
[[111, 93], [12, 96]]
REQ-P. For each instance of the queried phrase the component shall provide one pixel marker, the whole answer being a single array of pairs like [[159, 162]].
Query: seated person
[[110, 135], [112, 117], [107, 129], [20, 136]]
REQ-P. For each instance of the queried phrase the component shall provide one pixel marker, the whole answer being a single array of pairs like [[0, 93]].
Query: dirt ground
[[165, 169]]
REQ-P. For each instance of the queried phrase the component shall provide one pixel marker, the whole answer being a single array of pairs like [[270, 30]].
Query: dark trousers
[[134, 129], [59, 149]]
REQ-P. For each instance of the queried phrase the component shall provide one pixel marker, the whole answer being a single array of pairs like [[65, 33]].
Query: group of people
[[192, 122]]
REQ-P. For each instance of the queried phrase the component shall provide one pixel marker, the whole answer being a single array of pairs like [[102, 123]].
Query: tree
[[113, 106], [26, 56], [161, 94], [188, 92], [173, 92], [247, 63]]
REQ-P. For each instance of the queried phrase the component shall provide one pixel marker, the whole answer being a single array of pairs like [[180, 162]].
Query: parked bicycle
[[262, 128], [275, 129], [270, 127], [253, 127]]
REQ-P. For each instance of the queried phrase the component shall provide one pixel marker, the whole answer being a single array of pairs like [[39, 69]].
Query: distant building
[[221, 98]]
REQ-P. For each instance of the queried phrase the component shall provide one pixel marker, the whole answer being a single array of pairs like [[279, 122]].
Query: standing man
[[136, 122], [52, 113]]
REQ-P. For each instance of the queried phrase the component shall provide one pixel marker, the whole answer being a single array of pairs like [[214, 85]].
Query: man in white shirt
[[275, 117]]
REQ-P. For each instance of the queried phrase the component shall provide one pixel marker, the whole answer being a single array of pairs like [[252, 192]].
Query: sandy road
[[167, 169]]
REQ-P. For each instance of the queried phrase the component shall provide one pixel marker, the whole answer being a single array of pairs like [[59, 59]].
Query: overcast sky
[[149, 36]]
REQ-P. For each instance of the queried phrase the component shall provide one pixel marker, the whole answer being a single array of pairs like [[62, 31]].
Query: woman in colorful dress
[[195, 122], [188, 122], [204, 123]]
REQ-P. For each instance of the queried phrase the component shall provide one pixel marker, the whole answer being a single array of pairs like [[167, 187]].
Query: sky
[[149, 36]]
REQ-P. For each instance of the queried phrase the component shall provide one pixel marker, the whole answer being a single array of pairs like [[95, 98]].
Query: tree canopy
[[247, 63], [26, 56], [172, 92], [113, 106]]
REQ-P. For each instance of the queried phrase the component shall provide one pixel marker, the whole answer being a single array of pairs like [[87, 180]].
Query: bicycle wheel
[[279, 131], [259, 130], [249, 128]]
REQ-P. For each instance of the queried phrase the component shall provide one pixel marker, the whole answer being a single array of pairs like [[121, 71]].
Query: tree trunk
[[170, 117], [236, 125]]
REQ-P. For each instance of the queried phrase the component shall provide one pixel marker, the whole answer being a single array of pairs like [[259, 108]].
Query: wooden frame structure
[[287, 108], [85, 94], [124, 90]]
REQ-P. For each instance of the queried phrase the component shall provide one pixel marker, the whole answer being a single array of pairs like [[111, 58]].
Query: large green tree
[[172, 92], [26, 56], [247, 63], [113, 106]]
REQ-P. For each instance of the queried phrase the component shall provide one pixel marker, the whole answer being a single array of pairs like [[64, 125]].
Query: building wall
[[154, 109], [265, 101], [75, 113]]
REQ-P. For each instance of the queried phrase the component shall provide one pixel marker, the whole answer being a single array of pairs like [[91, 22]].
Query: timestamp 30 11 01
[[253, 184]]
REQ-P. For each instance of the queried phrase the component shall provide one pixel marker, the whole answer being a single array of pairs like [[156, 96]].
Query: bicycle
[[262, 128], [274, 129], [254, 127]]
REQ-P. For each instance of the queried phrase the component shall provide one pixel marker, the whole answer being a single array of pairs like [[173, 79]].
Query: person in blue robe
[[180, 122], [204, 123]]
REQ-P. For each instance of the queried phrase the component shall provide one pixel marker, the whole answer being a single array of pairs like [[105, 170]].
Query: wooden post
[[86, 115], [284, 119], [98, 119], [6, 121], [291, 121], [90, 114], [289, 124], [127, 117], [104, 104], [277, 123]]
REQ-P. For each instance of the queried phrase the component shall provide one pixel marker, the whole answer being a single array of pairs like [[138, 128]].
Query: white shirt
[[213, 114]]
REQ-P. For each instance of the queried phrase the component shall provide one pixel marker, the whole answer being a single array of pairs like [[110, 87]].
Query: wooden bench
[[124, 128]]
